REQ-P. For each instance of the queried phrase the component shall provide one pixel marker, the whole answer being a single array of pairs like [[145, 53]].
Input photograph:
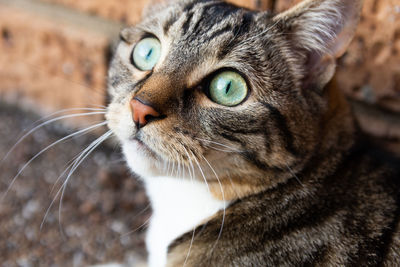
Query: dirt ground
[[102, 206]]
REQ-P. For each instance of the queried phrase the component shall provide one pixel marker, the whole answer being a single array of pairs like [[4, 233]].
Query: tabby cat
[[249, 154]]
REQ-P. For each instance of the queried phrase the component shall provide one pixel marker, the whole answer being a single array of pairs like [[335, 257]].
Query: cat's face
[[206, 88]]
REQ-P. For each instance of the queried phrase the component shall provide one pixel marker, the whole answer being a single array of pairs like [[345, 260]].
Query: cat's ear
[[320, 32]]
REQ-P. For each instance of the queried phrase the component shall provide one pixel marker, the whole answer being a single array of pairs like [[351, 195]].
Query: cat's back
[[382, 180]]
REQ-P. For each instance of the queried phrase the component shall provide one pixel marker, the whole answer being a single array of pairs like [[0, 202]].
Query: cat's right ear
[[319, 31]]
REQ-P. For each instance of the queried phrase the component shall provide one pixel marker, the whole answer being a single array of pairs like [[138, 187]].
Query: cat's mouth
[[141, 146]]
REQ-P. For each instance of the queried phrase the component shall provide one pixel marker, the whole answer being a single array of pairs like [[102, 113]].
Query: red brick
[[370, 71], [126, 11]]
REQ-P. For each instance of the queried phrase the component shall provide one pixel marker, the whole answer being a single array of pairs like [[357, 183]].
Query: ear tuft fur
[[320, 31], [318, 26], [324, 26]]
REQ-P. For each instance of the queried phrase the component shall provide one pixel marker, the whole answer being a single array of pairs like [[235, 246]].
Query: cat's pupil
[[146, 53], [228, 87], [149, 54]]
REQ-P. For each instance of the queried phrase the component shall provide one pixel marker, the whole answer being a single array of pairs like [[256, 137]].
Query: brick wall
[[129, 11], [52, 58], [54, 55]]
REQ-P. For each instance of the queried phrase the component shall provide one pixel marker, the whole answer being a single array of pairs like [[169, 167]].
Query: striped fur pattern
[[304, 188]]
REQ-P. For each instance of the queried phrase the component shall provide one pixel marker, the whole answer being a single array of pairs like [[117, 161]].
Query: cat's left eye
[[228, 88], [146, 53]]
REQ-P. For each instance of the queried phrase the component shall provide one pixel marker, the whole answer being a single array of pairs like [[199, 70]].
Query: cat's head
[[205, 88]]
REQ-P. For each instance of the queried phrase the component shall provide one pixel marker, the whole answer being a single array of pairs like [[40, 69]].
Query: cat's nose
[[142, 113]]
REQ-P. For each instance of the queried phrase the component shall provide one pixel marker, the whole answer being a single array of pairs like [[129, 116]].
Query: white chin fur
[[179, 204], [137, 160]]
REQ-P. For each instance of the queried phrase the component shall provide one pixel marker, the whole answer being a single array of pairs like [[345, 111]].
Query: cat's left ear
[[320, 32]]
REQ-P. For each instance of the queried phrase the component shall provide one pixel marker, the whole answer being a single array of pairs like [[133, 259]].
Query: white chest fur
[[178, 207]]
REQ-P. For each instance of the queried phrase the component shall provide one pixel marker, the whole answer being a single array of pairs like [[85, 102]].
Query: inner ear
[[319, 31]]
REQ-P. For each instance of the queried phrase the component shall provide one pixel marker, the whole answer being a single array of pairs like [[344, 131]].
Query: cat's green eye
[[228, 88], [147, 53]]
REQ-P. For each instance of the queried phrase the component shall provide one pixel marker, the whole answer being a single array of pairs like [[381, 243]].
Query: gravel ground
[[100, 211]]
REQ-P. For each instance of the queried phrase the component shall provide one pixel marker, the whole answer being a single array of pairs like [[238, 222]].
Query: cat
[[249, 153]]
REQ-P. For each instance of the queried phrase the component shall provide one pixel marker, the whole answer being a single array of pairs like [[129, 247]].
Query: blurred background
[[54, 56]]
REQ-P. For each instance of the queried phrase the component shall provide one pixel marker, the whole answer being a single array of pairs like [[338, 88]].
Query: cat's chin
[[140, 159]]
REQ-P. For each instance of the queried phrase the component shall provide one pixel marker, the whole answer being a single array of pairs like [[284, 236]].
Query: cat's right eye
[[146, 53]]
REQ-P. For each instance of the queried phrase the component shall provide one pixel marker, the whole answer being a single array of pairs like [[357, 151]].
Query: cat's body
[[349, 218], [271, 169]]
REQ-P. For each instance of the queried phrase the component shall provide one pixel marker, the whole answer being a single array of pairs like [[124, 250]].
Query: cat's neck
[[338, 129], [179, 205]]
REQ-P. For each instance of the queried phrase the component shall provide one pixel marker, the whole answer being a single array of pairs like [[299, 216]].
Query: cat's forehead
[[199, 35], [197, 24]]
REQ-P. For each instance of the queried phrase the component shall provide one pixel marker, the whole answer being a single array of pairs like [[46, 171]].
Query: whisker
[[173, 168], [223, 199], [182, 167], [67, 167], [78, 162], [47, 148], [191, 171], [142, 225], [82, 156], [68, 110], [263, 32], [294, 175], [218, 149], [136, 229], [219, 144], [99, 106], [190, 247], [166, 167], [201, 171], [179, 166], [141, 212], [44, 124]]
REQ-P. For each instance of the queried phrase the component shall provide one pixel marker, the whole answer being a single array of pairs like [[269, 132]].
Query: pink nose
[[142, 113]]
